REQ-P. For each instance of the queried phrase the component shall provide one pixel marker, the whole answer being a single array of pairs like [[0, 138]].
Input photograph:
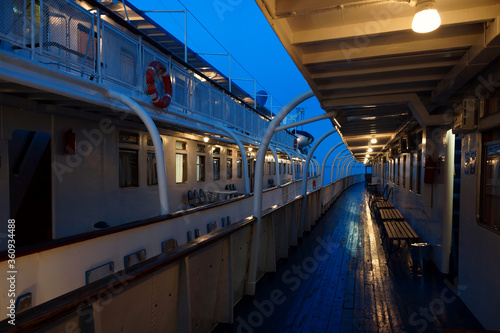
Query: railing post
[[304, 180], [323, 165], [259, 173], [334, 162]]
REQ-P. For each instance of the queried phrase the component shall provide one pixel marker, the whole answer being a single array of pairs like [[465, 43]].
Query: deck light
[[373, 140], [427, 18], [250, 149], [205, 139], [367, 155], [370, 150]]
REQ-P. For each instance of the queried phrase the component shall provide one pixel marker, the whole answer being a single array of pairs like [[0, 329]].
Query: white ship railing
[[70, 38], [188, 289]]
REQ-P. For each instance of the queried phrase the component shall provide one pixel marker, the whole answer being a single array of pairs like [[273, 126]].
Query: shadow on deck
[[340, 281]]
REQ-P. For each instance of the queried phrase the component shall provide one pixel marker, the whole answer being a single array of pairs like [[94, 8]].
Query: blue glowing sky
[[240, 28]]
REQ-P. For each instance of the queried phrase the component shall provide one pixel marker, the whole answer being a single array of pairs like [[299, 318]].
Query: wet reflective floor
[[339, 280]]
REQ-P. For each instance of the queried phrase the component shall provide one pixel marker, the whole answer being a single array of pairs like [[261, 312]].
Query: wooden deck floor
[[339, 281]]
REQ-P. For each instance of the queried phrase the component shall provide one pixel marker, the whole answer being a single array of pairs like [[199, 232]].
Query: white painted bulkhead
[[478, 271]]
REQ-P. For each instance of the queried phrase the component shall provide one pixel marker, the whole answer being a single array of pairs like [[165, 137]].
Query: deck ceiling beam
[[391, 24], [412, 47], [383, 80], [340, 73], [485, 50]]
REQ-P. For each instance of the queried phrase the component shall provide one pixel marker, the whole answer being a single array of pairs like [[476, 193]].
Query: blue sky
[[239, 27]]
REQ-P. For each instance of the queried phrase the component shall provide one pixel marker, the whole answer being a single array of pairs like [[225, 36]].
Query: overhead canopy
[[362, 59]]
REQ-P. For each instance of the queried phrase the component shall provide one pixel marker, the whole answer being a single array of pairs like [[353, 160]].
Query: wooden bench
[[389, 214], [377, 205], [398, 231]]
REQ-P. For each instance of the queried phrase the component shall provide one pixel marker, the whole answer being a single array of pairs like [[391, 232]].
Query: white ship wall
[[479, 252], [425, 212]]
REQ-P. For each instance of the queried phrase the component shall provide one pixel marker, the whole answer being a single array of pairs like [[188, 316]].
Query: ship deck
[[351, 287]]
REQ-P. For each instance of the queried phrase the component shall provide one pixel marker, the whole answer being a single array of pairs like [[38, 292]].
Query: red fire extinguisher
[[430, 168], [314, 183]]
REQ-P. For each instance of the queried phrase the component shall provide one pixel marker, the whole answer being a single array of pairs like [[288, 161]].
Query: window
[[152, 172], [229, 152], [398, 170], [200, 148], [200, 168], [129, 168], [180, 168], [229, 168], [268, 168], [216, 151], [180, 145], [412, 175], [128, 137], [239, 167], [490, 180], [419, 171], [216, 166], [404, 171]]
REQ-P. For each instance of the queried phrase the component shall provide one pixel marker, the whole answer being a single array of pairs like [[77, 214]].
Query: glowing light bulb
[[427, 18]]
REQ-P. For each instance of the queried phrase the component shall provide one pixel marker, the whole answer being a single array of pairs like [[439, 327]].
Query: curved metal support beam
[[342, 168], [334, 162], [304, 180], [340, 165], [233, 136], [276, 165], [323, 165], [259, 173], [291, 164], [352, 168], [348, 168], [157, 144]]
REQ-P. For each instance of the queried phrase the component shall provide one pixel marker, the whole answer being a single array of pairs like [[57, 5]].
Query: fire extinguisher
[[314, 183], [430, 168]]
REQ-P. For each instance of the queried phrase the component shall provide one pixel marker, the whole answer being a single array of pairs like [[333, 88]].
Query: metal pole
[[259, 172], [339, 169], [185, 37], [342, 168], [335, 161], [276, 165], [323, 165], [304, 180], [157, 144], [230, 75]]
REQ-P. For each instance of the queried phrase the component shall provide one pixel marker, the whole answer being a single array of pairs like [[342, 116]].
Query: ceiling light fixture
[[426, 18], [205, 139], [370, 150], [373, 140]]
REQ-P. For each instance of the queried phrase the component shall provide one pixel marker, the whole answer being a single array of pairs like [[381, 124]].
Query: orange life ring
[[153, 68]]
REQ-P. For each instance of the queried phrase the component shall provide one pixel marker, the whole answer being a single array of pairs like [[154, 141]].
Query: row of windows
[[395, 171], [129, 162]]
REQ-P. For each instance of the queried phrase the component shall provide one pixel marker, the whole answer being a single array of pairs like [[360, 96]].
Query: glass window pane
[[152, 172], [180, 168], [239, 167], [229, 168], [129, 168], [216, 162], [200, 168]]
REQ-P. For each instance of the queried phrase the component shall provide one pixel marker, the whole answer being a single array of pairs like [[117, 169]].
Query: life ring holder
[[153, 68]]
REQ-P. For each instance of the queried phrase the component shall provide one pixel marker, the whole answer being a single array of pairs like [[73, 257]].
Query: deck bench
[[389, 214], [398, 231]]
